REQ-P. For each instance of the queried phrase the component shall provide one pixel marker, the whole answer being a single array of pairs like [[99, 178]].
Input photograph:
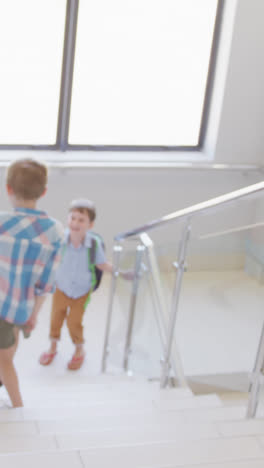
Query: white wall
[[126, 198], [240, 136]]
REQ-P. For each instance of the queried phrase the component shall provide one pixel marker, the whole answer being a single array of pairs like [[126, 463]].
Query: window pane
[[140, 71], [31, 47]]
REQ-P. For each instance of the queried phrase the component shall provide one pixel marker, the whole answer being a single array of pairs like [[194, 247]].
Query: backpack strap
[[91, 261], [91, 252]]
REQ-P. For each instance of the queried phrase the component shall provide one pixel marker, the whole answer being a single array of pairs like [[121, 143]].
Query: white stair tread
[[18, 428], [139, 401], [141, 424], [42, 460], [154, 394], [186, 453], [201, 401], [101, 382], [240, 428], [27, 443], [107, 391], [118, 414], [136, 436], [239, 464]]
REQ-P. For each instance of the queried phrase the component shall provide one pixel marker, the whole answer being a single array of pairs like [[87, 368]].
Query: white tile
[[172, 393], [211, 414], [140, 425], [15, 428], [203, 401], [139, 435], [42, 460], [120, 414], [261, 441], [13, 414], [240, 464], [239, 428], [177, 454], [92, 406], [24, 443], [122, 404], [100, 422], [137, 393]]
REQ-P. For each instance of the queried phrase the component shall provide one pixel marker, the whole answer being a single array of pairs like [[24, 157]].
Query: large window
[[31, 47], [105, 73], [140, 71]]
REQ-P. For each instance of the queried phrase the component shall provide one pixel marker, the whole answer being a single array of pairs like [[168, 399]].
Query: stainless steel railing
[[166, 325], [194, 210]]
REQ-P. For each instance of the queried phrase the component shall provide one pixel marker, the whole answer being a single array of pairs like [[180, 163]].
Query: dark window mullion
[[67, 74], [211, 72]]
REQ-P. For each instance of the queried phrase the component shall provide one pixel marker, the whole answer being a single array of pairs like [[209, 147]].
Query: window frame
[[63, 121]]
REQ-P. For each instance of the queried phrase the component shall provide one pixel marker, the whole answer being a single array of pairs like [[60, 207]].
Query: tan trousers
[[64, 307]]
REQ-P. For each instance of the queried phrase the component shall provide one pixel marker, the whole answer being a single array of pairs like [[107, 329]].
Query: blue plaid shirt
[[29, 247]]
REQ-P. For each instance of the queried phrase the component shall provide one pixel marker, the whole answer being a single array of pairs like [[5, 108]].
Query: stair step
[[240, 464], [73, 460], [132, 455], [194, 430], [42, 460], [117, 416], [174, 454], [136, 436], [139, 402], [239, 428], [27, 443], [203, 401], [105, 395], [18, 428]]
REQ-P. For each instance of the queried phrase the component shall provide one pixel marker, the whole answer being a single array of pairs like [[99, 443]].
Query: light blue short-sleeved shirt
[[73, 276]]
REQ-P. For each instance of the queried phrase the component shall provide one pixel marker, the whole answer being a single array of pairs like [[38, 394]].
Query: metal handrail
[[140, 233], [193, 210], [245, 227]]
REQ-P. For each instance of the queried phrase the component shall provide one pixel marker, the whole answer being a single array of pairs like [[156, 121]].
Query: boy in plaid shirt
[[29, 244]]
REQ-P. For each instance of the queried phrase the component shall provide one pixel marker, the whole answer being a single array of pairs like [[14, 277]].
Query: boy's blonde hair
[[27, 178], [83, 205]]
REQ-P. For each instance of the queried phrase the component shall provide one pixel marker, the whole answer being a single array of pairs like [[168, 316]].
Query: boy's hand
[[31, 323], [127, 274]]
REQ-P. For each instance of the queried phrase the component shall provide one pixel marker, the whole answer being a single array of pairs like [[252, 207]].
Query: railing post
[[255, 382], [175, 301], [116, 260], [160, 306], [132, 307]]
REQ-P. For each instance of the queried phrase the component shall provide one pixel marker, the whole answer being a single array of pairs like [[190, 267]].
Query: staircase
[[120, 422]]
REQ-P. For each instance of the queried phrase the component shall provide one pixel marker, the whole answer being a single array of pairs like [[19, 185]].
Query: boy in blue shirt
[[74, 281]]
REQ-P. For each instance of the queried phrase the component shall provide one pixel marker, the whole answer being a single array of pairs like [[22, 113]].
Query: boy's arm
[[45, 285], [31, 323], [46, 281], [107, 266]]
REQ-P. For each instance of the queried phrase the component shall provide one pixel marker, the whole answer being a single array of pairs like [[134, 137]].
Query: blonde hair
[[27, 178]]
